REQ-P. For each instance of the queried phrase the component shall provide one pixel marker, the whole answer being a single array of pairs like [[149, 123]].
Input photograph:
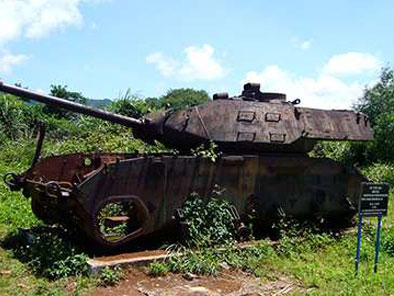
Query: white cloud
[[9, 60], [34, 19], [352, 63], [325, 90], [305, 45], [301, 44], [165, 65], [199, 64]]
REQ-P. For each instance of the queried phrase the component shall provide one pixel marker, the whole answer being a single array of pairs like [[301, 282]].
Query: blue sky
[[323, 52]]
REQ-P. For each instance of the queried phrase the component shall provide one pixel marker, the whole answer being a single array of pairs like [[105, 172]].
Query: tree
[[378, 103], [62, 92], [183, 98]]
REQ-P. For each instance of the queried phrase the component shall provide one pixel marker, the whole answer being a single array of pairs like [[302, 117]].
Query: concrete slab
[[144, 258]]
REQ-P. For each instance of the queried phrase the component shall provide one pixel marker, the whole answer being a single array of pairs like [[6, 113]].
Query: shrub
[[380, 172], [110, 276], [158, 268], [209, 220], [345, 152], [204, 261], [49, 252]]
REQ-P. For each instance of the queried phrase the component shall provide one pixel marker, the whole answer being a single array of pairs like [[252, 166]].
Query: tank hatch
[[252, 92]]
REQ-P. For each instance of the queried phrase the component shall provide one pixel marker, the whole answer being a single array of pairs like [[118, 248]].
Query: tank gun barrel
[[68, 105]]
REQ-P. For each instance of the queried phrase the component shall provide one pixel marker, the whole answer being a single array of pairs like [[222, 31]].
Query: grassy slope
[[326, 270]]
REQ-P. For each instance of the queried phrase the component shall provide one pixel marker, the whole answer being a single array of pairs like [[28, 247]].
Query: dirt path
[[230, 283]]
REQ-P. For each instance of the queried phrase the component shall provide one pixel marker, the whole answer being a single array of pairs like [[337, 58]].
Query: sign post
[[373, 203], [360, 223], [377, 243]]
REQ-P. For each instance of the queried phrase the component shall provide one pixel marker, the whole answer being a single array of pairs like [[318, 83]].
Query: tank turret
[[254, 122]]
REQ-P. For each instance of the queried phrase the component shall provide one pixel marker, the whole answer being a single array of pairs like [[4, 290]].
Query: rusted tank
[[264, 166]]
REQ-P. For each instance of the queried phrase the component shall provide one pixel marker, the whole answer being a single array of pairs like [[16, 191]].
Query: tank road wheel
[[119, 220], [12, 181]]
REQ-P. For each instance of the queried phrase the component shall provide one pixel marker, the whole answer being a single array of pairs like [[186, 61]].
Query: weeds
[[209, 219], [158, 268], [110, 276], [48, 251], [207, 152], [388, 241], [211, 261], [297, 236]]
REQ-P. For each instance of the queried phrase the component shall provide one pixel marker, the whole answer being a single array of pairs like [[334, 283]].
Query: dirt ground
[[230, 283]]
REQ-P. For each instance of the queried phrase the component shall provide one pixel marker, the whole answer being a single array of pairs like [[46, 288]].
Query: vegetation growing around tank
[[207, 152], [45, 261], [209, 219]]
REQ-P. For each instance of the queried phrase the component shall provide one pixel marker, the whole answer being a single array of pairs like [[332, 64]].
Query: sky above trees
[[324, 53]]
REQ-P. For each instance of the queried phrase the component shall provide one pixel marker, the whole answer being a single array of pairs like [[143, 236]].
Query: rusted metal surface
[[65, 190], [264, 170]]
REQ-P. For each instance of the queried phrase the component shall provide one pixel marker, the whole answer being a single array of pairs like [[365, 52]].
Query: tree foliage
[[378, 103], [134, 106], [180, 98]]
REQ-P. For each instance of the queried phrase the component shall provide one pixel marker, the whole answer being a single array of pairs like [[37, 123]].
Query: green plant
[[48, 251], [158, 268], [378, 103], [210, 261], [380, 172], [131, 105], [339, 151], [205, 261], [296, 236], [182, 98], [209, 219], [210, 152], [110, 276], [388, 241]]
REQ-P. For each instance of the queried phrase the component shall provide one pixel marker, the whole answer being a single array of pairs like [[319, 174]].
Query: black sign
[[374, 199]]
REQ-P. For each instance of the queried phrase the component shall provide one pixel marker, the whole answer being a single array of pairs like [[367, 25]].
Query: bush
[[110, 276], [204, 261], [158, 268], [209, 220], [380, 172], [49, 252], [339, 151]]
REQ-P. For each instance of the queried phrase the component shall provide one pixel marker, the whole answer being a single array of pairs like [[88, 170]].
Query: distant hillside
[[98, 103]]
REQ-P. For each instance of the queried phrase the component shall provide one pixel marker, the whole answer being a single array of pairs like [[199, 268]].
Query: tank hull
[[74, 189]]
